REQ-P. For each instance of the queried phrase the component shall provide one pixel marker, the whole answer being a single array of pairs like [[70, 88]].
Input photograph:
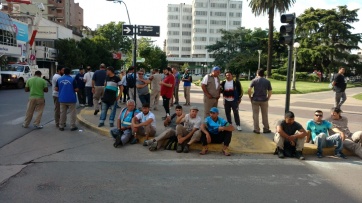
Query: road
[[52, 166]]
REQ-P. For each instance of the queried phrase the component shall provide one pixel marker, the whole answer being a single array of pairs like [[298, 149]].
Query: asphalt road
[[13, 104]]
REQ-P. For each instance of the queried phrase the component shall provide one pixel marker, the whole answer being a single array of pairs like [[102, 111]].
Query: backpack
[[172, 143], [130, 81]]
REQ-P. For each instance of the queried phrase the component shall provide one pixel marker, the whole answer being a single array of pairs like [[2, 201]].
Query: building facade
[[190, 28]]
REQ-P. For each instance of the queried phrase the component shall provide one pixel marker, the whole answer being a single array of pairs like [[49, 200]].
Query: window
[[199, 47], [217, 22], [186, 25], [200, 22], [7, 32], [186, 17], [238, 15], [186, 49], [173, 40], [200, 39], [231, 14], [218, 5], [201, 13], [188, 10], [173, 33], [237, 23], [232, 5], [220, 13], [173, 17], [173, 9], [185, 33], [200, 30], [186, 41], [174, 24], [173, 48]]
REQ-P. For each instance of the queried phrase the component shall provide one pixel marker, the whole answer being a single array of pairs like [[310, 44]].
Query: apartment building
[[190, 28], [63, 12]]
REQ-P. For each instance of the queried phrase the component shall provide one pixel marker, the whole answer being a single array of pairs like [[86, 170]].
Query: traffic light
[[287, 31]]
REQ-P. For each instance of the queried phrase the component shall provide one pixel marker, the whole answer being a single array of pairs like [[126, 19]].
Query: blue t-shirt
[[99, 77], [80, 82], [127, 119], [186, 76], [213, 126], [66, 85], [316, 129]]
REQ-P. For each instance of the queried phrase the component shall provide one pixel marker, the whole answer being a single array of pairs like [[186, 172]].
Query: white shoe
[[239, 128]]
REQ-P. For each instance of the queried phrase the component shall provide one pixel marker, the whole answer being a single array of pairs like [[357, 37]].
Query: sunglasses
[[318, 115], [212, 112]]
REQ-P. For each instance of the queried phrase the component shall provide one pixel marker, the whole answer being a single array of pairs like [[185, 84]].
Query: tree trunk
[[270, 42]]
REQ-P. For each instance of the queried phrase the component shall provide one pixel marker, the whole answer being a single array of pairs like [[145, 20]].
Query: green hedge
[[301, 76]]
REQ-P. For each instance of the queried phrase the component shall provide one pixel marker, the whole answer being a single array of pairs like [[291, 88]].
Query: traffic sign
[[127, 29], [149, 31]]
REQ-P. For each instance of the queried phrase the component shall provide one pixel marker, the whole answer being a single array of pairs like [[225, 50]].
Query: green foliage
[[69, 53], [155, 57], [358, 96], [326, 39], [184, 66]]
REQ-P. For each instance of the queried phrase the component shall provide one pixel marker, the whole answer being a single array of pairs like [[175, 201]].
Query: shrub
[[277, 76]]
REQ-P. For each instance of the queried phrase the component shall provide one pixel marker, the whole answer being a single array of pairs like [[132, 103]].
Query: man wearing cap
[[167, 85], [88, 85], [210, 84], [155, 88], [98, 80], [189, 132], [216, 130], [259, 100], [110, 97], [186, 78]]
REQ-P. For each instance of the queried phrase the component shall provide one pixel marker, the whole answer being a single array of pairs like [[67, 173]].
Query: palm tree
[[259, 7]]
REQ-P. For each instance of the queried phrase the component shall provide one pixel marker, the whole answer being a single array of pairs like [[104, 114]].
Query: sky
[[154, 12]]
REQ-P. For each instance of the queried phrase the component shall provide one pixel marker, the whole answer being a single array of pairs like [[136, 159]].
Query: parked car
[[74, 72]]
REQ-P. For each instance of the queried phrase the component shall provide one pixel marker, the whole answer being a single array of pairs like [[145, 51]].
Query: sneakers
[[74, 129], [319, 155], [239, 128], [280, 153], [179, 148], [101, 125], [153, 146], [38, 126], [134, 141], [24, 126], [96, 112], [186, 149], [340, 155], [299, 155], [82, 105], [147, 143], [118, 141]]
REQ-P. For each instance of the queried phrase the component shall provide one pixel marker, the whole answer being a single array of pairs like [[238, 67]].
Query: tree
[[259, 7], [237, 49], [111, 35], [69, 53], [154, 56], [326, 38]]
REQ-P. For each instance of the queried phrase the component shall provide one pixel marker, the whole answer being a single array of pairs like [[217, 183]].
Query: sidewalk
[[246, 141]]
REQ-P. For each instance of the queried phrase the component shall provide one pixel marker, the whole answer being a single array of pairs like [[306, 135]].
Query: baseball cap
[[214, 110], [215, 68], [194, 108]]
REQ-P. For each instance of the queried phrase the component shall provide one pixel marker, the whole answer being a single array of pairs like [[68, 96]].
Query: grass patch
[[279, 87], [358, 96]]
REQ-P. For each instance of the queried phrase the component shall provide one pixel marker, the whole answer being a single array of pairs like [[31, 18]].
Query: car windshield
[[16, 68]]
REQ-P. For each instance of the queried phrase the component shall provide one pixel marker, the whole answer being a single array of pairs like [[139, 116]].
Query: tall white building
[[191, 28]]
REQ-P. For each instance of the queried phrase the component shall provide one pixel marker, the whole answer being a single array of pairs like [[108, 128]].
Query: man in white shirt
[[58, 74], [144, 124], [88, 86], [189, 132]]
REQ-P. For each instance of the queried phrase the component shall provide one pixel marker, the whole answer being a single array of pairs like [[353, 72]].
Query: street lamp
[[296, 45], [120, 2], [259, 51]]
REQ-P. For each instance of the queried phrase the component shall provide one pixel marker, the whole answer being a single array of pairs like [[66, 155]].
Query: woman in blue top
[[216, 130]]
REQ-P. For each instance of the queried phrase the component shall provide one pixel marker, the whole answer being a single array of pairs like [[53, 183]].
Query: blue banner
[[21, 31]]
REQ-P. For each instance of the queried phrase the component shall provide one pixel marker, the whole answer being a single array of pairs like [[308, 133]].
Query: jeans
[[104, 111], [234, 105], [89, 93], [222, 137], [340, 98], [145, 99], [322, 140]]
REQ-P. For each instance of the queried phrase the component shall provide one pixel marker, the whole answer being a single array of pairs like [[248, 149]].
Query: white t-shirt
[[55, 78], [88, 79], [191, 123], [143, 118], [229, 86], [204, 81]]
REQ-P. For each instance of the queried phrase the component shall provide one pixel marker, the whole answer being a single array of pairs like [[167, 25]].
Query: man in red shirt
[[167, 86]]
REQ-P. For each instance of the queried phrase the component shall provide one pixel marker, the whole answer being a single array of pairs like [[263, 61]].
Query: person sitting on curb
[[353, 141], [290, 137], [189, 132], [123, 132], [319, 132], [216, 130], [170, 131], [143, 124]]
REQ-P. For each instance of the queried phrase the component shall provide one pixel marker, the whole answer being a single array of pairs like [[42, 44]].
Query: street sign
[[148, 30], [127, 30]]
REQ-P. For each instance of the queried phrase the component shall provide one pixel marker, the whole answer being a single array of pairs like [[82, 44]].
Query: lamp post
[[259, 51], [120, 2], [296, 45]]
